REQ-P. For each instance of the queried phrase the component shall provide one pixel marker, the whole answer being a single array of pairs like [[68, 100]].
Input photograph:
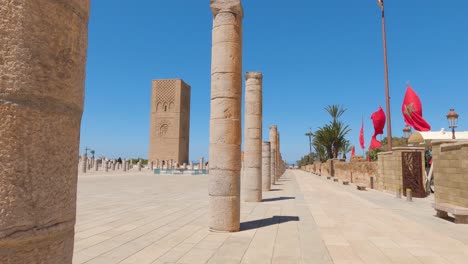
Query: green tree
[[331, 138], [346, 148]]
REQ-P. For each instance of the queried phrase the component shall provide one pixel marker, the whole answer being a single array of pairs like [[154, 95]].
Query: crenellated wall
[[354, 171]]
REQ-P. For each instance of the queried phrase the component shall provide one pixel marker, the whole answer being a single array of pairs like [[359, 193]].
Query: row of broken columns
[[225, 124], [43, 50]]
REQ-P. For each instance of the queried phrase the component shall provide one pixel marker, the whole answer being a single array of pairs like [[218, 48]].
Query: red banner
[[412, 111], [378, 118]]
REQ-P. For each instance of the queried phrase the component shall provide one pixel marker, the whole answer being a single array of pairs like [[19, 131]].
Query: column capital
[[232, 6], [273, 127], [253, 75]]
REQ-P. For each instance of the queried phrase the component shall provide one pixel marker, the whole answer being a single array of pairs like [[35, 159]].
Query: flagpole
[[387, 89]]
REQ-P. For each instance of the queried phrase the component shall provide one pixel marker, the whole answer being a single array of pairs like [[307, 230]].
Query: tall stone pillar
[[84, 163], [274, 150], [106, 165], [202, 164], [43, 47], [225, 119], [279, 171], [139, 165], [266, 166], [273, 165], [252, 180]]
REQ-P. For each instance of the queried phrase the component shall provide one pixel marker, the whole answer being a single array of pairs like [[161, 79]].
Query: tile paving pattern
[[138, 218]]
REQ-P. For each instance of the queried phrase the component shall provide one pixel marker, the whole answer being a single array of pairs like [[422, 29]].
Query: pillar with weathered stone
[[266, 166], [84, 163], [225, 119], [274, 150], [272, 165], [139, 165], [106, 165], [252, 180], [202, 163], [43, 46]]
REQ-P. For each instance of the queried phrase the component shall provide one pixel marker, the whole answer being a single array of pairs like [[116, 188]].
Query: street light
[[310, 134], [407, 132], [387, 89], [452, 118]]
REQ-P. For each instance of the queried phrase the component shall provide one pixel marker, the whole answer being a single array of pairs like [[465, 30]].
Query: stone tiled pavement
[[141, 218]]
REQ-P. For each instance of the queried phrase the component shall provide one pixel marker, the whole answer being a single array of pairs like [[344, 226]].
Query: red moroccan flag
[[361, 136], [353, 151], [378, 118], [412, 111]]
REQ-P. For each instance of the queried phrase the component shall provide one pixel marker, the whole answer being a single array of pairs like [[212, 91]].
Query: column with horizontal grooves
[[225, 118], [43, 46], [252, 180]]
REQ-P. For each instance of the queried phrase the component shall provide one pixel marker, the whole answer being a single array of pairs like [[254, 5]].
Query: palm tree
[[346, 148], [331, 137]]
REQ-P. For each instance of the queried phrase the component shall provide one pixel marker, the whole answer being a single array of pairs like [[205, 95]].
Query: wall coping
[[453, 146], [443, 141], [385, 153], [408, 148]]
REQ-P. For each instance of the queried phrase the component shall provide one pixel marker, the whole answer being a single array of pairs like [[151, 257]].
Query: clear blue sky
[[312, 54]]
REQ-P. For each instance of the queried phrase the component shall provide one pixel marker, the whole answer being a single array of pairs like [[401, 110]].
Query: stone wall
[[450, 160], [356, 172], [390, 171]]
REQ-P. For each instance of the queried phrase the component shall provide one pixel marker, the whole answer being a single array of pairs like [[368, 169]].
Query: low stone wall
[[356, 172], [450, 160], [390, 171]]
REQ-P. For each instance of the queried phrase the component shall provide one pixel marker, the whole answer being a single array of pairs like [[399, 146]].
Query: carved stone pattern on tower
[[166, 95]]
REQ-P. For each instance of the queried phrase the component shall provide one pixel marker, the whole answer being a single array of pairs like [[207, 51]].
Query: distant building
[[418, 138], [170, 121]]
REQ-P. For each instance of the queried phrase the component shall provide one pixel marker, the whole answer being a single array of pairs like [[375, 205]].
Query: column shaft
[[43, 46], [225, 126], [274, 150], [252, 180], [266, 166]]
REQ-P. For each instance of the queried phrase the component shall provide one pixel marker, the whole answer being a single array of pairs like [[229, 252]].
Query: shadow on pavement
[[267, 222], [278, 199]]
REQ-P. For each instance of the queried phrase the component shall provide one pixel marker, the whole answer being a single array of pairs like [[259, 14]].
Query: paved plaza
[[142, 218]]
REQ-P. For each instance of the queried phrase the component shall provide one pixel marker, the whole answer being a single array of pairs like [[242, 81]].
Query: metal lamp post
[[310, 134], [452, 118], [407, 133], [387, 89]]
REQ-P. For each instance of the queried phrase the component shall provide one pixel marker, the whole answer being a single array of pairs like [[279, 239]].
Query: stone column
[[113, 165], [274, 150], [225, 119], [266, 166], [152, 166], [273, 165], [279, 161], [202, 163], [106, 165], [124, 165], [252, 180], [43, 47], [84, 163], [96, 165], [139, 165]]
